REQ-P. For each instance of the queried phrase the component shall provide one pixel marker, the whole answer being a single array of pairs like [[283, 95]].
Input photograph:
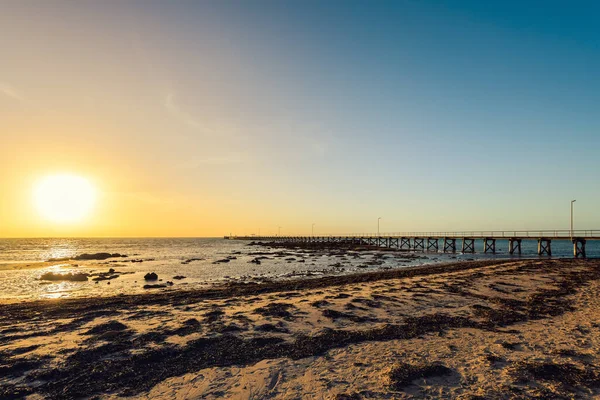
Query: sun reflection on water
[[59, 290], [58, 250]]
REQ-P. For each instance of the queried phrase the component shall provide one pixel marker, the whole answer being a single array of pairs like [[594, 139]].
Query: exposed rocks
[[98, 256], [155, 286], [191, 260], [179, 277]]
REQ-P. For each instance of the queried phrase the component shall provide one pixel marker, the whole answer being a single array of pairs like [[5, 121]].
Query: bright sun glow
[[64, 198]]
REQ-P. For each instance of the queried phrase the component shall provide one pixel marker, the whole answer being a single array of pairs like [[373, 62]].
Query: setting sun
[[64, 198]]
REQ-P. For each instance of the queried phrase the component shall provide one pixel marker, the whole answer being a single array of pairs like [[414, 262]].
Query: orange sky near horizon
[[200, 119]]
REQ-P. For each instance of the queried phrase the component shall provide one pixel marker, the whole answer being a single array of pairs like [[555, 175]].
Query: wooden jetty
[[430, 241]]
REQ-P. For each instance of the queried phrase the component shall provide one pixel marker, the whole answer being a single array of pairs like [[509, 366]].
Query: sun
[[64, 198]]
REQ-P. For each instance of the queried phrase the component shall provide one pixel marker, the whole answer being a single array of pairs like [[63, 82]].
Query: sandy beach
[[480, 329]]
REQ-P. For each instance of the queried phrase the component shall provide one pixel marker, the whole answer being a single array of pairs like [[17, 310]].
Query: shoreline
[[230, 289], [163, 345], [118, 270]]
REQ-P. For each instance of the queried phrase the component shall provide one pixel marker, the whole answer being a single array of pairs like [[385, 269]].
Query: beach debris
[[335, 315], [214, 315], [403, 374], [320, 303], [566, 373], [152, 276], [225, 260], [279, 327], [106, 327], [178, 277], [280, 310], [73, 277], [189, 326]]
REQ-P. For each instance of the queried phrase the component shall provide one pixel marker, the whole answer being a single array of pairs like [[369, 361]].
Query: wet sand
[[481, 329]]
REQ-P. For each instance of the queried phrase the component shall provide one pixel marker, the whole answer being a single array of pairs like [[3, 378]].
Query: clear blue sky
[[431, 114]]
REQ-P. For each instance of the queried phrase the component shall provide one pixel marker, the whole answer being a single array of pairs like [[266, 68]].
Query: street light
[[279, 231], [313, 229], [378, 226], [572, 201]]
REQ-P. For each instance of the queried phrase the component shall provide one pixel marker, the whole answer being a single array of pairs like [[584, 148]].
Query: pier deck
[[422, 241]]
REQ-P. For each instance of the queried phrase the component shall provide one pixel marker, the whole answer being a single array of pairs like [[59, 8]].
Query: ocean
[[20, 275]]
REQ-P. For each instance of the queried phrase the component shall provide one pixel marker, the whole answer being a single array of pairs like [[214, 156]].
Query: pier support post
[[394, 242], [544, 247], [514, 244], [579, 247], [419, 244], [489, 245], [404, 243], [468, 245], [432, 243], [449, 245]]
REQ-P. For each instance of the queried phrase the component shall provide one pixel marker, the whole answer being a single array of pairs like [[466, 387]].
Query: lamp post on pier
[[572, 201], [279, 231], [313, 229], [378, 219]]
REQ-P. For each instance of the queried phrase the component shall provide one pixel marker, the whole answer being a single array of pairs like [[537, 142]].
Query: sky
[[207, 118]]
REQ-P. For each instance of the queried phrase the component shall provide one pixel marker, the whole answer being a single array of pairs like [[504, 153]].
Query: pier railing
[[534, 234]]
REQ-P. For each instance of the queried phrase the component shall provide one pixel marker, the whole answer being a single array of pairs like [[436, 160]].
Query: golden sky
[[210, 118]]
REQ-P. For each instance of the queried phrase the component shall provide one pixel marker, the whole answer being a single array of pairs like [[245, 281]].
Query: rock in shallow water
[[51, 276], [97, 256], [152, 276]]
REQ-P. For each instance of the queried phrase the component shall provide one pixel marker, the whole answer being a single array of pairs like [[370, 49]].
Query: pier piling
[[419, 244], [489, 245], [514, 244], [404, 243], [468, 245], [432, 244], [579, 247], [449, 245], [544, 247]]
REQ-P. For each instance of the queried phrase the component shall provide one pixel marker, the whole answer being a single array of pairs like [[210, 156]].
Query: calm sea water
[[165, 256]]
